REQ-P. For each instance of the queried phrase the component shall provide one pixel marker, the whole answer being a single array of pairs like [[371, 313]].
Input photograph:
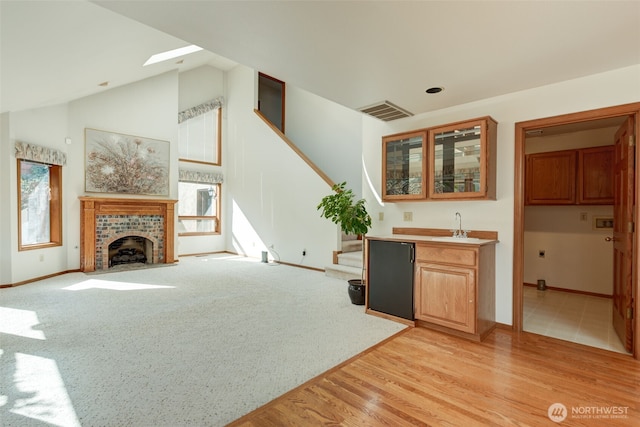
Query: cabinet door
[[462, 160], [403, 166], [595, 176], [446, 296], [550, 178]]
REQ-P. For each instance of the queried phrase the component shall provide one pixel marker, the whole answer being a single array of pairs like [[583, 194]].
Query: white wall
[[196, 86], [570, 141], [576, 255], [622, 87], [146, 108], [46, 127], [328, 133], [199, 85], [6, 242], [272, 194]]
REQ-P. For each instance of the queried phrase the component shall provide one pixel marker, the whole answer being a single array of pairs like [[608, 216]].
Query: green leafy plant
[[352, 217], [341, 209]]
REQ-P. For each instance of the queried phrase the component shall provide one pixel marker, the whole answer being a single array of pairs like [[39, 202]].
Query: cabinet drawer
[[446, 254]]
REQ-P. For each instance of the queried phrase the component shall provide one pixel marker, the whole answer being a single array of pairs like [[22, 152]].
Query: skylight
[[170, 54]]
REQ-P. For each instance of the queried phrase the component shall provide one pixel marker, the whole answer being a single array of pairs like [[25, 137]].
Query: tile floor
[[572, 317]]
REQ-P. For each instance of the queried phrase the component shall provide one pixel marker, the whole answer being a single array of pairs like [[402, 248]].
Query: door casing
[[518, 232]]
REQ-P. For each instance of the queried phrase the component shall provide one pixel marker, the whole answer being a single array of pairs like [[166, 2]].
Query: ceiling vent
[[386, 111]]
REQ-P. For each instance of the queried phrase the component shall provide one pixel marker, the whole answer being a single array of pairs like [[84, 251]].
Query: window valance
[[40, 154], [200, 109], [200, 177]]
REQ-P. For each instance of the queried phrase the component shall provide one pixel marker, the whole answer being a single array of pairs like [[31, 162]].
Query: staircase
[[349, 264]]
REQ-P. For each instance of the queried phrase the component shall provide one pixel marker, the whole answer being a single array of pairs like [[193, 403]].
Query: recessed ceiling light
[[434, 90], [170, 54]]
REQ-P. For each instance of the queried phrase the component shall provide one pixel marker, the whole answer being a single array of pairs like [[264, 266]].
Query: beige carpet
[[197, 344]]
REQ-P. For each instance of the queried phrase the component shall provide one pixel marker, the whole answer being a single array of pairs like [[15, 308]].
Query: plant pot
[[356, 291]]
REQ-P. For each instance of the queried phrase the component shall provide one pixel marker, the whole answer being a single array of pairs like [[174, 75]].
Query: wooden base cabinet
[[455, 288]]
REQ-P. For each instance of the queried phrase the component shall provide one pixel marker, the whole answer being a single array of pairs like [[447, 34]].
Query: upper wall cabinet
[[463, 160], [550, 178], [403, 166], [569, 177], [451, 162], [595, 178]]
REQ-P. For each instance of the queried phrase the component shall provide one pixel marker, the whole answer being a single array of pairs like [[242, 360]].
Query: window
[[39, 201], [199, 138], [198, 208]]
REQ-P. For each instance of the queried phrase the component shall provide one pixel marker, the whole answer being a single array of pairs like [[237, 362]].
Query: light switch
[[408, 216]]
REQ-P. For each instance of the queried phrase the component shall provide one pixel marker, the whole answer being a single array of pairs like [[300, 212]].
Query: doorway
[[271, 97], [579, 121]]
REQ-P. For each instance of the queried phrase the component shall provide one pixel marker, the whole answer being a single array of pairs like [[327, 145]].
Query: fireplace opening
[[130, 250]]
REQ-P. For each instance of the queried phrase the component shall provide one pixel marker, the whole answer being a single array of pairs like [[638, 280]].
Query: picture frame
[[125, 164]]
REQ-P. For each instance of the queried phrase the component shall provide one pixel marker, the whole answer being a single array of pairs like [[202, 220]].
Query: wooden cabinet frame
[[488, 143], [550, 178], [390, 139], [487, 162], [446, 296], [595, 176]]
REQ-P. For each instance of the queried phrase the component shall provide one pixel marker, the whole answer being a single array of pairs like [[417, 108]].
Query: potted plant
[[352, 217]]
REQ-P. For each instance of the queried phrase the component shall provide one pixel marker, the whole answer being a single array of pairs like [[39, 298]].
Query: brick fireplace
[[106, 220]]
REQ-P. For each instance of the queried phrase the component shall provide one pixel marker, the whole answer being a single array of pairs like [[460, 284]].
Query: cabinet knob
[[610, 239]]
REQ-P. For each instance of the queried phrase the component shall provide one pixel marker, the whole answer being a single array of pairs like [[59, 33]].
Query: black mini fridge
[[390, 284]]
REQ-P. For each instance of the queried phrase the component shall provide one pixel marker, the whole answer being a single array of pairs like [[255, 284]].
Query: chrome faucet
[[459, 233]]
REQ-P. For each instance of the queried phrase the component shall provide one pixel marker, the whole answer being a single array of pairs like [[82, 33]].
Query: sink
[[456, 239]]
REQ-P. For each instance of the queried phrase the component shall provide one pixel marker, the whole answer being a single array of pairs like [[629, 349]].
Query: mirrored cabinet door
[[459, 160], [403, 166]]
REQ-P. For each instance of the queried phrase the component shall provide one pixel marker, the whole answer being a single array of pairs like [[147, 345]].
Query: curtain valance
[[200, 109], [200, 177], [40, 154]]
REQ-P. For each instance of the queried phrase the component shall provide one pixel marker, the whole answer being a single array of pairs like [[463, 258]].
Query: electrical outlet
[[408, 216], [541, 253], [41, 257]]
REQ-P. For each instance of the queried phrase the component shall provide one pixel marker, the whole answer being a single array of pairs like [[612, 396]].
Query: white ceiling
[[355, 53]]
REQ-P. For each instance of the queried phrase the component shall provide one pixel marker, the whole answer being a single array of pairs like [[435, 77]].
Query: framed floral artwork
[[118, 163]]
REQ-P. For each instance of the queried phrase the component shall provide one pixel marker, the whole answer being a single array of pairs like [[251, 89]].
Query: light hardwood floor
[[423, 377]]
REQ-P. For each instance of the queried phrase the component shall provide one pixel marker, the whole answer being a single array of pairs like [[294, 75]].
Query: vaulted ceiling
[[355, 53]]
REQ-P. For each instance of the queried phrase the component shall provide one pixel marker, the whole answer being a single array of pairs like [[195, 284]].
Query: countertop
[[431, 239]]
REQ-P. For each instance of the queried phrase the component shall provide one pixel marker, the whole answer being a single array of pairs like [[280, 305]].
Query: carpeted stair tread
[[349, 266], [352, 259], [344, 272]]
